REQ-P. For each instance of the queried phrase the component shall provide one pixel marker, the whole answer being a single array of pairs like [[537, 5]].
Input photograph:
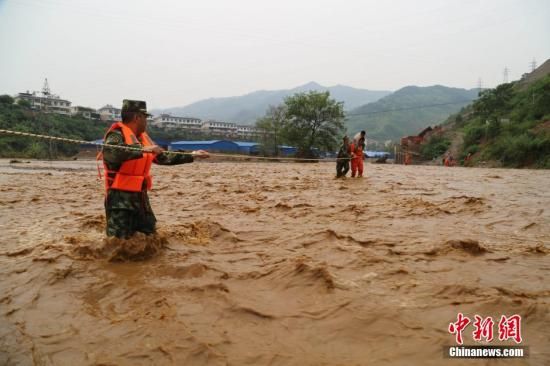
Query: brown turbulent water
[[271, 264]]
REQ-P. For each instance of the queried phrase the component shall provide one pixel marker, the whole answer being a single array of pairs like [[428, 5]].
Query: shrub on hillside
[[473, 135], [435, 147], [520, 150]]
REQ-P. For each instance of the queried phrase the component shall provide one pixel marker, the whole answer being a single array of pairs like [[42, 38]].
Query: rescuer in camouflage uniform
[[343, 158], [128, 212]]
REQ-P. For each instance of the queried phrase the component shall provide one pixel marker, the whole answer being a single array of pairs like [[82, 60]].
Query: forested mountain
[[507, 126], [408, 111], [246, 109]]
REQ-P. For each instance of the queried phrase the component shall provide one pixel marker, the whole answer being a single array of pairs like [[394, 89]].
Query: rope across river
[[100, 144]]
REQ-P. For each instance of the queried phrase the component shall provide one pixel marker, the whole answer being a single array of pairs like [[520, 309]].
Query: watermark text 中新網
[[509, 328]]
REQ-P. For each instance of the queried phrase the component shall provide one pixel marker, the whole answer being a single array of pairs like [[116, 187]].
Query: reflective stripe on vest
[[132, 173]]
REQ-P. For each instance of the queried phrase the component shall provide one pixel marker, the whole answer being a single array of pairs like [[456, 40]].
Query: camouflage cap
[[137, 106]]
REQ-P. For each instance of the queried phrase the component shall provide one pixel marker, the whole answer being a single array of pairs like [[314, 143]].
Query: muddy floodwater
[[273, 264]]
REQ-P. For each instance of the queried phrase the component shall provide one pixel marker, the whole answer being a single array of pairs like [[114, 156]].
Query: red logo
[[508, 328], [457, 328], [484, 329]]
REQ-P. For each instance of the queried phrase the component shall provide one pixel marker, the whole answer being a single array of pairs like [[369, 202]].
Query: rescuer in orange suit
[[407, 159], [449, 161], [357, 157]]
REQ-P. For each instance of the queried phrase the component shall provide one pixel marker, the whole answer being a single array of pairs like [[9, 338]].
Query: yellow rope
[[74, 141]]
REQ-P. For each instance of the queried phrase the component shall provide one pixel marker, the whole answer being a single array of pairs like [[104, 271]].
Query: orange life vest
[[132, 173], [358, 151]]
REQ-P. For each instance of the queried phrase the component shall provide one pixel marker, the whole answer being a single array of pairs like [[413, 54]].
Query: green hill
[[20, 118], [408, 111], [507, 126]]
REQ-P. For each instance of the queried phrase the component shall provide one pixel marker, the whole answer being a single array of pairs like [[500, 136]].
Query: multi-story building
[[247, 131], [88, 113], [206, 127], [109, 113], [223, 128], [46, 101], [172, 122]]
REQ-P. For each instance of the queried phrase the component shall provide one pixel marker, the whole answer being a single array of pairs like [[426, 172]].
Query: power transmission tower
[[533, 65], [479, 85], [505, 75], [46, 88], [46, 94]]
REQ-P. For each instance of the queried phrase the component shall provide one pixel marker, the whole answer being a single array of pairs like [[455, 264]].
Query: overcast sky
[[172, 52]]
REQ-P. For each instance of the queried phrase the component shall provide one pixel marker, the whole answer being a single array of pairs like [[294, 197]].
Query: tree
[[6, 99], [24, 103], [271, 127], [314, 120], [494, 102]]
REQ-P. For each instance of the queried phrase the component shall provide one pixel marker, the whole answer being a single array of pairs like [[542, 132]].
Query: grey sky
[[172, 53]]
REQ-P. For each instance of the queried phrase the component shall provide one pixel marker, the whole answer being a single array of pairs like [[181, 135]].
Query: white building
[[216, 127], [109, 113], [85, 112], [247, 131], [46, 101], [197, 125], [168, 121]]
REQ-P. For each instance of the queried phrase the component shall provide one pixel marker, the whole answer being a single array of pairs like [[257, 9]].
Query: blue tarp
[[162, 143], [287, 150], [376, 154], [248, 147], [211, 145], [242, 147]]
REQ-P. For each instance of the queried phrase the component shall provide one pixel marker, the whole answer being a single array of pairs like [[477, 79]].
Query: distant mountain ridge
[[246, 109], [408, 110]]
